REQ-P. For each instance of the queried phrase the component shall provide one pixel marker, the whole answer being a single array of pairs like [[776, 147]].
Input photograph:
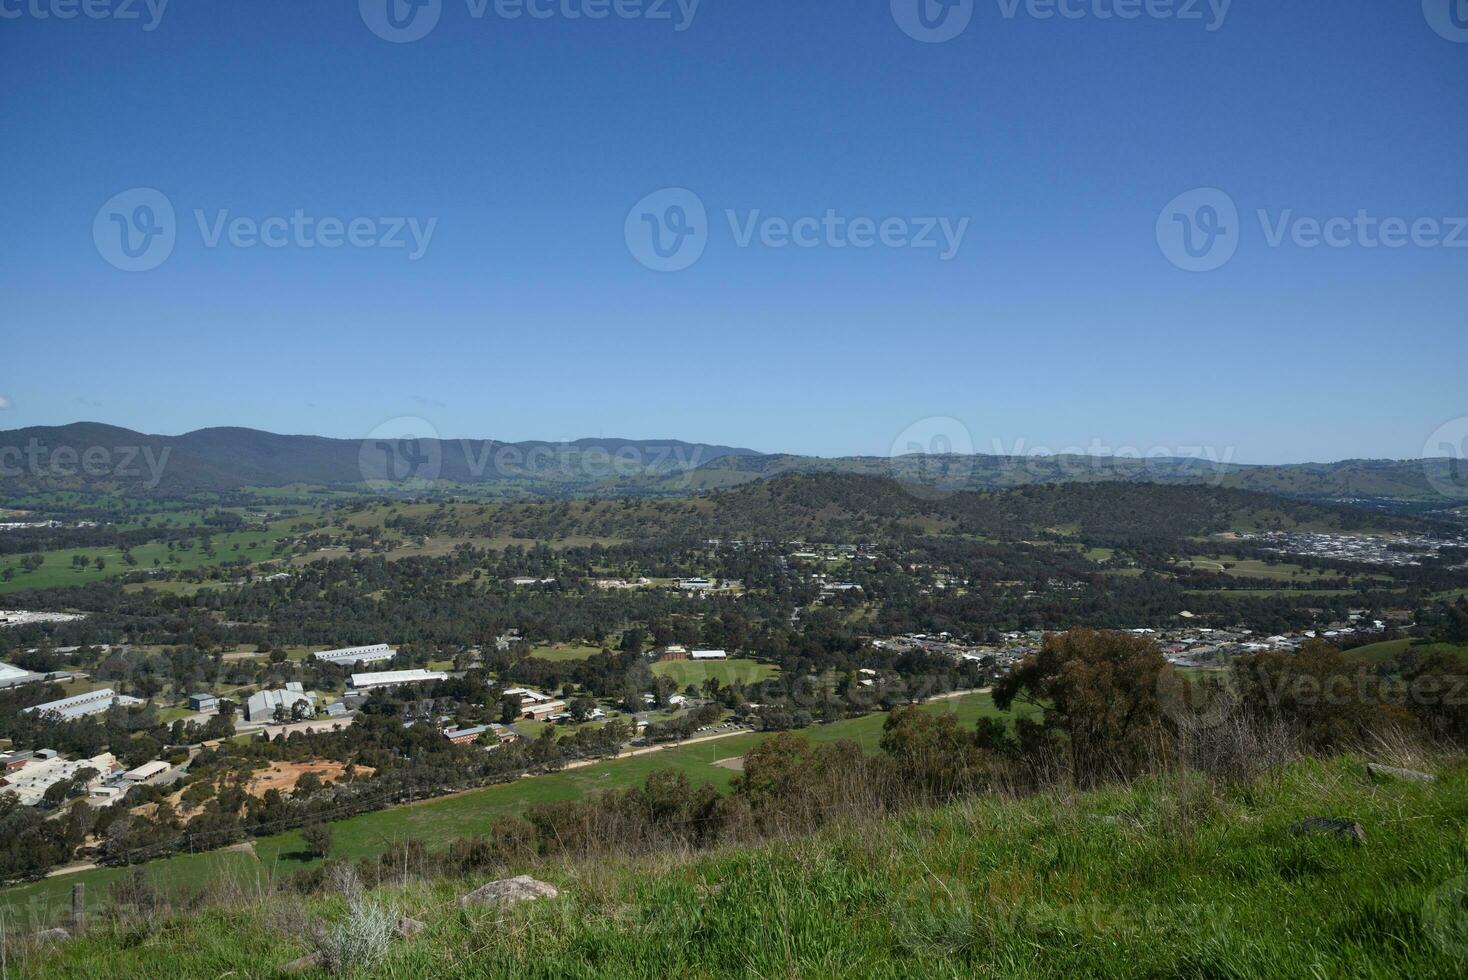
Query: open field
[[1255, 568], [1266, 593], [438, 821], [1377, 653], [564, 651], [1197, 880], [695, 672], [57, 569]]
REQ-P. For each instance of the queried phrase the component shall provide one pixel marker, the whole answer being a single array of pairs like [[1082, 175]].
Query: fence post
[[79, 907]]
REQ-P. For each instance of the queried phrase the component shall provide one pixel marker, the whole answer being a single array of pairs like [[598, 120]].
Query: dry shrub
[[361, 939]]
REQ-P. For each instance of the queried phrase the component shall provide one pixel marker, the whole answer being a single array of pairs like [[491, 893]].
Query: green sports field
[[695, 672]]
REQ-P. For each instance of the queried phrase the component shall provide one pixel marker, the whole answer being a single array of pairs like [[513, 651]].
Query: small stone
[[408, 927], [1332, 825], [508, 891], [1121, 818], [1392, 772], [308, 962]]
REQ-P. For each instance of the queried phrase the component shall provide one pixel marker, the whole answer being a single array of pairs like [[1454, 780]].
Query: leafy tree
[[1098, 692], [318, 839]]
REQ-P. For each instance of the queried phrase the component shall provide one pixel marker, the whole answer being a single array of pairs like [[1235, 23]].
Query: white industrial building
[[11, 675], [261, 706], [392, 678], [357, 655], [146, 771], [30, 782], [81, 705], [709, 655]]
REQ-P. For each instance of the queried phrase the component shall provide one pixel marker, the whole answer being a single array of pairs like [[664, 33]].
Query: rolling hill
[[849, 507], [97, 458]]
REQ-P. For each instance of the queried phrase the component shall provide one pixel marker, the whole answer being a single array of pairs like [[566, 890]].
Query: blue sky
[[1056, 144]]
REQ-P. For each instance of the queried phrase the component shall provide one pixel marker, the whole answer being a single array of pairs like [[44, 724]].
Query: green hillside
[[1171, 877]]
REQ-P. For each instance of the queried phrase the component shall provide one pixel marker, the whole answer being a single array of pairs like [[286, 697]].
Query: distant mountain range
[[98, 458]]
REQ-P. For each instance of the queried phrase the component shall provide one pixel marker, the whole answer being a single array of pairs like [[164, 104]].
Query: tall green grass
[[1171, 877]]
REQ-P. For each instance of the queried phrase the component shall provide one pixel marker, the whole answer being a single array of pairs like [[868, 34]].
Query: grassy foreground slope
[[436, 822], [1171, 877]]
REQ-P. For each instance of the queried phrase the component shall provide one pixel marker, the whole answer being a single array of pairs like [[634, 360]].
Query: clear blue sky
[[1060, 322]]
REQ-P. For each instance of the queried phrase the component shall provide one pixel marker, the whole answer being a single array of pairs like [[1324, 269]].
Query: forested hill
[[845, 508], [91, 457], [1433, 481], [96, 458]]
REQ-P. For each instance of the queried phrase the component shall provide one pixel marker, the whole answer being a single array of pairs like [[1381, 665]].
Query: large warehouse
[[392, 678], [357, 655], [81, 705]]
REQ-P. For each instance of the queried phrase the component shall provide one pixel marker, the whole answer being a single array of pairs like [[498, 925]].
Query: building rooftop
[[383, 677], [81, 705]]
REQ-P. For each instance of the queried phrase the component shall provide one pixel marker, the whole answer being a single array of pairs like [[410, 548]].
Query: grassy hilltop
[[1171, 877]]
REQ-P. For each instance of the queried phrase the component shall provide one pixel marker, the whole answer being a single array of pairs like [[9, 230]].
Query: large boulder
[[55, 935], [1349, 829], [508, 891], [1392, 772]]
